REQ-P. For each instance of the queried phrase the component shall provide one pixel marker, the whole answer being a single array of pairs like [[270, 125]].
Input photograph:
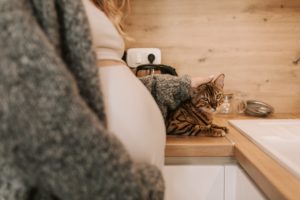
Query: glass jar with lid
[[227, 106], [234, 103]]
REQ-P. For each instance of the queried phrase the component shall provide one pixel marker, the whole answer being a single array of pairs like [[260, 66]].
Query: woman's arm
[[168, 91], [53, 138]]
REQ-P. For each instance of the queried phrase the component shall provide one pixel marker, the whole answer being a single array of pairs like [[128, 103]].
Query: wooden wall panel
[[253, 42]]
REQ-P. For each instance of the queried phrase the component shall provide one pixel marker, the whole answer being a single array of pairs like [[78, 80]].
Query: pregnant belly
[[133, 115]]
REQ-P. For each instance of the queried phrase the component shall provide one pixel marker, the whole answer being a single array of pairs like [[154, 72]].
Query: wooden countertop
[[273, 179], [198, 146]]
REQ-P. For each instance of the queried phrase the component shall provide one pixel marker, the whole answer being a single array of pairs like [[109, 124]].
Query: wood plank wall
[[253, 42]]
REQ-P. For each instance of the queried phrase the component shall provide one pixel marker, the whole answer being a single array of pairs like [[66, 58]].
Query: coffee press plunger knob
[[151, 58]]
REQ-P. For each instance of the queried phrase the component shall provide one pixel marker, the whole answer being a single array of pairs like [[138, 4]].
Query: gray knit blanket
[[53, 138]]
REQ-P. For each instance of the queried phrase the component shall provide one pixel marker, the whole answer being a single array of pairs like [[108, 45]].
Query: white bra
[[107, 42]]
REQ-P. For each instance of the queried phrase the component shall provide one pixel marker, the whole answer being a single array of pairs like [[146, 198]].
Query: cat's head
[[209, 96]]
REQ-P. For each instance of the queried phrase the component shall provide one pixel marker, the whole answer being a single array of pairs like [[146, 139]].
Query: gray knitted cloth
[[53, 141], [168, 91]]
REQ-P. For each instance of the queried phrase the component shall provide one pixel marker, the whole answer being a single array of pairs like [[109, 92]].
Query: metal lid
[[228, 95], [258, 108]]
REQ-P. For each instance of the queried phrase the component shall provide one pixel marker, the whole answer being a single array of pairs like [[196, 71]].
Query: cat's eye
[[205, 99], [218, 96]]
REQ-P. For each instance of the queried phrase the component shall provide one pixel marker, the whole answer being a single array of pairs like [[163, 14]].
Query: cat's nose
[[213, 110], [214, 106]]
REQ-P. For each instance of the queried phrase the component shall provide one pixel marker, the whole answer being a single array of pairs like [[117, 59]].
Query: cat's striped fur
[[195, 116]]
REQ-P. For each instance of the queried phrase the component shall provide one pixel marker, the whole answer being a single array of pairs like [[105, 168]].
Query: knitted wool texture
[[54, 144]]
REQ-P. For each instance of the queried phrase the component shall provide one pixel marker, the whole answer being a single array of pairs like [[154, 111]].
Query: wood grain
[[187, 146], [253, 42]]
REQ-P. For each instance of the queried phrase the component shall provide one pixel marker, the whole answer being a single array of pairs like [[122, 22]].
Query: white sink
[[280, 138]]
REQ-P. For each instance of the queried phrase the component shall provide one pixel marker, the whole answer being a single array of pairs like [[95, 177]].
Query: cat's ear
[[219, 81]]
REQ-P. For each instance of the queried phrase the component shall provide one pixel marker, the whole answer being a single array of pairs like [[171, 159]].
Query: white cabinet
[[238, 185], [188, 182], [209, 181]]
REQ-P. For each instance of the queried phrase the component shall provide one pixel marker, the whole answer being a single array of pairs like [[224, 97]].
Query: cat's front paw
[[208, 126], [224, 128], [218, 133], [223, 133]]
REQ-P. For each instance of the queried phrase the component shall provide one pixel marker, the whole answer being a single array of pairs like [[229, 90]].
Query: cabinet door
[[194, 182], [239, 186]]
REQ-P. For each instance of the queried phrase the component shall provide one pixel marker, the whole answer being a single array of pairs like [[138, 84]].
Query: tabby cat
[[195, 116]]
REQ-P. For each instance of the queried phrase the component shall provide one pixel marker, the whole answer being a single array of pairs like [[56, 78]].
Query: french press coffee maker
[[151, 69]]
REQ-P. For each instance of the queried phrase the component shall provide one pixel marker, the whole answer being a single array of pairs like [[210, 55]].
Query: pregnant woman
[[132, 112]]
